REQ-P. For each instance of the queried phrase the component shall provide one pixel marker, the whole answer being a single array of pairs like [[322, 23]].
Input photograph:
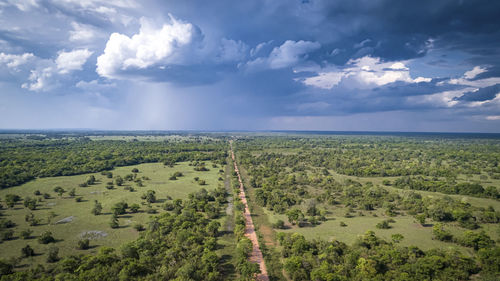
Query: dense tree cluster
[[371, 258], [23, 160]]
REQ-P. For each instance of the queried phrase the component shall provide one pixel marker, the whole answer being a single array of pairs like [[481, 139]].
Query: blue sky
[[251, 65]]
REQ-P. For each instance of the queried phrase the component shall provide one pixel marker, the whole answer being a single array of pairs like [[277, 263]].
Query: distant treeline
[[24, 160], [448, 187]]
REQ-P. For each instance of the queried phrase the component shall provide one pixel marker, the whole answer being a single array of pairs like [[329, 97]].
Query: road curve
[[256, 256]]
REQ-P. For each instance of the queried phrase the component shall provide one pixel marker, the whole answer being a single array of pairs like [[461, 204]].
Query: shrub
[[114, 222], [27, 251], [53, 254], [7, 234], [279, 224], [26, 234], [84, 244], [135, 170], [97, 208], [139, 227], [343, 224], [396, 238], [383, 225], [120, 208], [79, 199], [46, 238], [134, 208]]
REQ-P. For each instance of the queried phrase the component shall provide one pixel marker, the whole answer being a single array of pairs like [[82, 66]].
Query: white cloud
[[13, 61], [366, 72], [151, 46], [441, 99], [493, 117], [288, 54], [231, 50], [22, 5], [465, 80], [255, 51], [40, 79], [422, 79], [81, 33], [324, 80], [73, 60], [471, 74], [494, 101]]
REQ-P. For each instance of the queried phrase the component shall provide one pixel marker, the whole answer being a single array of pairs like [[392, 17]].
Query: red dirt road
[[256, 256]]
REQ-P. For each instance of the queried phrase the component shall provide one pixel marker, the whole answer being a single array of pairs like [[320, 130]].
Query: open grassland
[[65, 207]]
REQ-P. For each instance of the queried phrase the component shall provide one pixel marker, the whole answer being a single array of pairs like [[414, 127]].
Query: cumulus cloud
[[150, 47], [288, 54], [40, 79], [366, 72], [231, 50], [73, 60], [471, 74], [13, 61]]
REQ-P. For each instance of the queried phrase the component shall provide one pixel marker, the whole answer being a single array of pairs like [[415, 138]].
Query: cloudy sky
[[251, 65]]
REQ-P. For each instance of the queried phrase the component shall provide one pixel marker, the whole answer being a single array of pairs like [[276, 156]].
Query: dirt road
[[256, 255]]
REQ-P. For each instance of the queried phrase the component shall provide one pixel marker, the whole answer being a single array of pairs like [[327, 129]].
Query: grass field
[[68, 234]]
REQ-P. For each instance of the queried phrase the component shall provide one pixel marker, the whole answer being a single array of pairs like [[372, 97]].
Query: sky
[[357, 65]]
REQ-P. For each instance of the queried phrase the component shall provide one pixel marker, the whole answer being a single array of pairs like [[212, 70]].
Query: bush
[[202, 182], [27, 251], [120, 208], [383, 225], [7, 234], [79, 199], [26, 234], [114, 222], [84, 244], [134, 208], [97, 208], [135, 170], [46, 238], [343, 224], [440, 233], [53, 254], [139, 227], [279, 224]]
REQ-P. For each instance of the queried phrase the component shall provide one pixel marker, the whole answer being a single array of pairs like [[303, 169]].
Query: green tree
[[27, 251], [97, 208], [53, 254], [46, 238], [114, 221]]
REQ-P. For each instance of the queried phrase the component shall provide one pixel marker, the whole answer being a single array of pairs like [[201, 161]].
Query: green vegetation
[[440, 194], [324, 208], [90, 219]]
